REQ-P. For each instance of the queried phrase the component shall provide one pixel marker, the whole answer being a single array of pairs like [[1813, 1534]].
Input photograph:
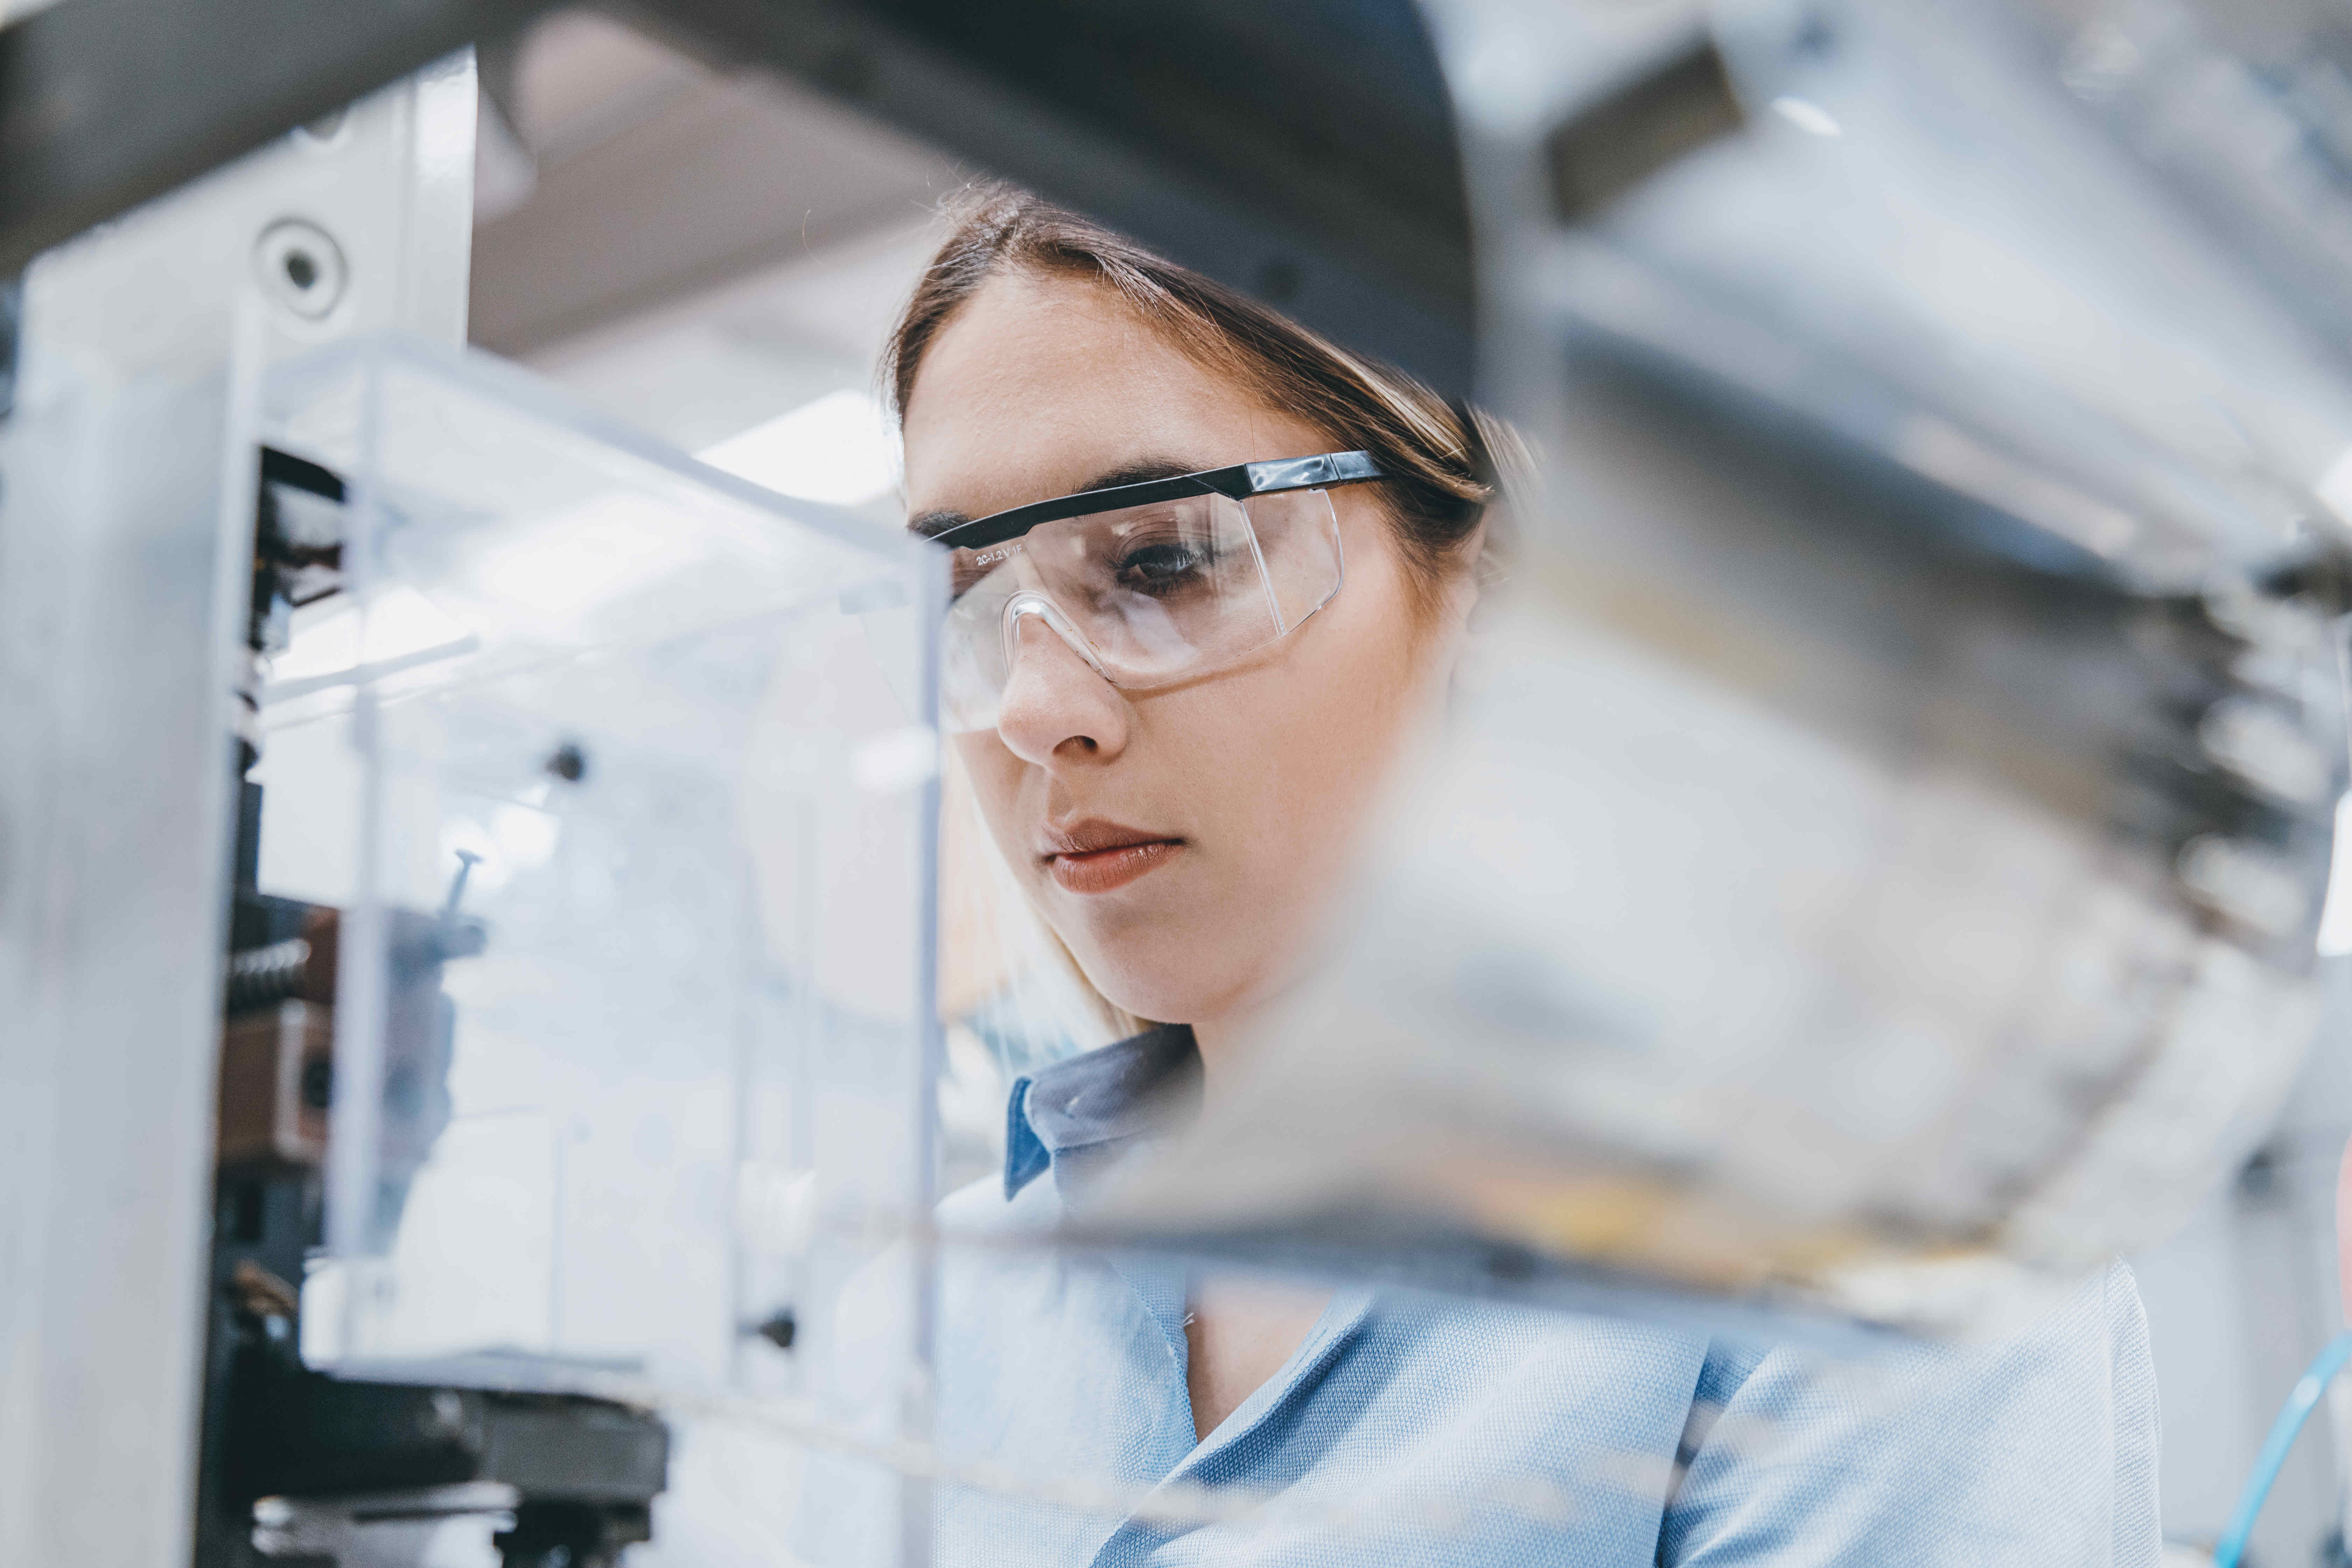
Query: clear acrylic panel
[[622, 773]]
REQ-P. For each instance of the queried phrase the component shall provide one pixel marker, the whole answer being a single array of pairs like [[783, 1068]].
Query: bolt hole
[[318, 1085], [301, 270]]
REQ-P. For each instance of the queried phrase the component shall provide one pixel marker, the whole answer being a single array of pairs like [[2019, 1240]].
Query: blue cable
[[2273, 1457]]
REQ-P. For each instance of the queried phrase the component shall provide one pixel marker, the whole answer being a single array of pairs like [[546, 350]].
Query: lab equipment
[[1763, 925], [646, 748], [462, 756], [130, 471], [294, 1460]]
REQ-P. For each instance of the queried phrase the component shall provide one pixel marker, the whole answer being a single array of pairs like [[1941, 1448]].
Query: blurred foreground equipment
[[155, 552], [1876, 867]]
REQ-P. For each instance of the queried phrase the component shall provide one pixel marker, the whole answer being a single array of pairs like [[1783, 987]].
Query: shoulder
[[1479, 1368], [2097, 1328], [1474, 1333], [2037, 1447]]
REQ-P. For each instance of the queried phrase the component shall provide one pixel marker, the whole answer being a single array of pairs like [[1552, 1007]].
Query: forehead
[[1036, 387]]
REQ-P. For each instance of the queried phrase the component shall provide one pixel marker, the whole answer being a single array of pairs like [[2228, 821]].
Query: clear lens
[[1147, 596]]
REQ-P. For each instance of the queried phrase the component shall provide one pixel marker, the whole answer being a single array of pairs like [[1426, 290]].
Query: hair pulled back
[[1437, 455]]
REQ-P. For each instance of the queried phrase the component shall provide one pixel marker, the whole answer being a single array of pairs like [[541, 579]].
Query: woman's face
[[1227, 802]]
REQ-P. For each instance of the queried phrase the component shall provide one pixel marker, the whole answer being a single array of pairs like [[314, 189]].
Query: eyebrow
[[1138, 471], [1141, 472]]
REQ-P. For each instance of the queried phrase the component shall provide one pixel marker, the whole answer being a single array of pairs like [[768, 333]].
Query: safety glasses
[[1151, 583]]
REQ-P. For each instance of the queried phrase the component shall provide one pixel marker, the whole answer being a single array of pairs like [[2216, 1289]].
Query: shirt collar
[[1078, 1116]]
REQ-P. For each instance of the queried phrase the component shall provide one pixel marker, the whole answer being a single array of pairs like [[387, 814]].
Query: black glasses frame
[[1239, 482]]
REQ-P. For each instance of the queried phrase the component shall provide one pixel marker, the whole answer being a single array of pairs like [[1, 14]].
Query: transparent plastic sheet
[[623, 774]]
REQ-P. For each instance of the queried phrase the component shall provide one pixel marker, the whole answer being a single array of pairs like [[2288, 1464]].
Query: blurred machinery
[[343, 1461], [2000, 836], [1881, 873]]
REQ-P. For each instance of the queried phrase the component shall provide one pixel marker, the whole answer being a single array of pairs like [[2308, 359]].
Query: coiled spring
[[263, 976]]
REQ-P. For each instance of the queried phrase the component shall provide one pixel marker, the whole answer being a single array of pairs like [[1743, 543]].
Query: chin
[[1155, 1004], [1138, 976]]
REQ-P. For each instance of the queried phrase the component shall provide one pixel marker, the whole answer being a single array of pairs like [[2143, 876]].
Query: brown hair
[[1438, 455]]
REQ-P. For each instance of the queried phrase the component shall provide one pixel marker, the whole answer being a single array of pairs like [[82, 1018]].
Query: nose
[[1054, 707]]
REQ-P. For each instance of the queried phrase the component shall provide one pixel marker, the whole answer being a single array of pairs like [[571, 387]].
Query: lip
[[1095, 856]]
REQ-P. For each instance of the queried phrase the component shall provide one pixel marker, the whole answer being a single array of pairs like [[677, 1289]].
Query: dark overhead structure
[[1304, 153], [107, 103]]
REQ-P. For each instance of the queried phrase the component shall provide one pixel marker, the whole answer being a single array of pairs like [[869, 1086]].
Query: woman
[[1211, 571]]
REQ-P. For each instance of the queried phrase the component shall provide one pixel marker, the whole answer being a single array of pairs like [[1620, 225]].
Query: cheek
[[1360, 684], [996, 777], [1355, 676], [1287, 757]]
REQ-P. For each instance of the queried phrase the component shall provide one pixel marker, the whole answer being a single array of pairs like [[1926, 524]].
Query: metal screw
[[466, 861], [779, 1329]]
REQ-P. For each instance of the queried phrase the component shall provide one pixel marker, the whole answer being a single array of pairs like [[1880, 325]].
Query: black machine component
[[581, 1471], [12, 310], [1304, 153], [298, 539], [573, 1476], [298, 558]]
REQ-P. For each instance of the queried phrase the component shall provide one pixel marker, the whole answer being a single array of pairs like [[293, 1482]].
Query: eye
[[1159, 565]]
